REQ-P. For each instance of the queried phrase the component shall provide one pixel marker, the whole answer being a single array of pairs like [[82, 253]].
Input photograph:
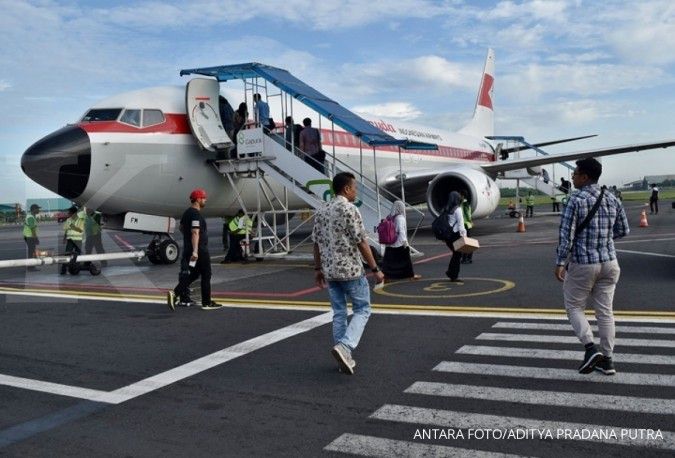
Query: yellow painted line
[[322, 305], [442, 284]]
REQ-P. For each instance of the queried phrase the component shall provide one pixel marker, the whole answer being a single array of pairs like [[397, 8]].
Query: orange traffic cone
[[643, 219], [521, 224]]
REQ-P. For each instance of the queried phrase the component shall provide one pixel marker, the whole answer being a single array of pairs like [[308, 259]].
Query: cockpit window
[[102, 114], [132, 117], [152, 117]]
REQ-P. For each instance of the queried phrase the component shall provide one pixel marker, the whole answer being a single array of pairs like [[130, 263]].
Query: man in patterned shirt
[[339, 236], [593, 270]]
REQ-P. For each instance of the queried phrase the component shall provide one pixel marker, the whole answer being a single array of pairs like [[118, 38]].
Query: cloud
[[395, 110], [4, 85]]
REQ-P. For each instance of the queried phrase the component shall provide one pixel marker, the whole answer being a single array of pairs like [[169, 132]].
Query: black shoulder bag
[[585, 222]]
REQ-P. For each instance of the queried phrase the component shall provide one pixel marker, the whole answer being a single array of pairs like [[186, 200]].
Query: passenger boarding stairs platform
[[264, 155], [538, 183]]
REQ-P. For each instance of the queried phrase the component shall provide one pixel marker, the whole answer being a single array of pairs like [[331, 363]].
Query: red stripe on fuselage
[[178, 124], [173, 124]]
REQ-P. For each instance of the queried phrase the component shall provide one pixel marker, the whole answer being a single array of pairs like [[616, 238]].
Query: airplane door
[[201, 99]]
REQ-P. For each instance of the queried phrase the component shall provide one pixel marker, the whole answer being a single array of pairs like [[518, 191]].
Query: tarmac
[[98, 365]]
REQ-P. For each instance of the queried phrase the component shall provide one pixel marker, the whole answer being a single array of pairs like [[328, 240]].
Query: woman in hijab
[[456, 222], [397, 263]]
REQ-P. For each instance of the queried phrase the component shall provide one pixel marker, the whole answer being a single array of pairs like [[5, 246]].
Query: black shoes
[[606, 366], [591, 358], [211, 306]]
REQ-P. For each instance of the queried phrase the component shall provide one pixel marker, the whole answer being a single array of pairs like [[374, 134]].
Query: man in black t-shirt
[[195, 261]]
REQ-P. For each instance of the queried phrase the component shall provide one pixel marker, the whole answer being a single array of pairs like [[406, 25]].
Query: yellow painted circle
[[443, 284]]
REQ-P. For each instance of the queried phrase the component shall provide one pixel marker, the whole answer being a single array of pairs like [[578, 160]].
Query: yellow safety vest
[[71, 232], [240, 225], [29, 225]]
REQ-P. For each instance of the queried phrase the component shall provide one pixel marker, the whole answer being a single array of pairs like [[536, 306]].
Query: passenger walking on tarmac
[[310, 144], [654, 200], [589, 223], [529, 205], [92, 232], [467, 258], [239, 227], [397, 263], [30, 233], [456, 222], [555, 203], [73, 231], [339, 236], [195, 261]]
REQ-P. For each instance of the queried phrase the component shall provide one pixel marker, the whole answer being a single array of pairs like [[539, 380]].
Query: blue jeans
[[359, 293]]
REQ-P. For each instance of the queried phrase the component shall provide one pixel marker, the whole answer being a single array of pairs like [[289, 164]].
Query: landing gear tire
[[74, 269], [153, 252], [168, 251], [94, 270]]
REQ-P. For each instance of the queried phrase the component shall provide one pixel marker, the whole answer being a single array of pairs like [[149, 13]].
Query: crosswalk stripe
[[567, 327], [475, 421], [357, 444], [545, 398], [572, 340], [548, 373], [540, 353]]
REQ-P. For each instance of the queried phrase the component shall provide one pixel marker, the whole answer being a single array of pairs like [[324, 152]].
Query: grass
[[628, 196]]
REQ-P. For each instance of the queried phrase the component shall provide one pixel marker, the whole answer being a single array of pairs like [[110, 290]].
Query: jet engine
[[481, 190]]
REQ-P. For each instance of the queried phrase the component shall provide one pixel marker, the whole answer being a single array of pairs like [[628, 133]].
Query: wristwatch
[[375, 269]]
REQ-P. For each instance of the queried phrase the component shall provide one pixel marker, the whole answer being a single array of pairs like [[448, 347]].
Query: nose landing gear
[[163, 250]]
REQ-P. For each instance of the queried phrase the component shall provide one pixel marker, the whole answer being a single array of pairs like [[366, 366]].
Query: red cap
[[198, 193]]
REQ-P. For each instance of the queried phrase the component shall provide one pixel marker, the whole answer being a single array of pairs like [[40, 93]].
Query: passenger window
[[152, 117], [132, 117]]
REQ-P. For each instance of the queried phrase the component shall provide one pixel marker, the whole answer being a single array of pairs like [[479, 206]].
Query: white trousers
[[596, 282]]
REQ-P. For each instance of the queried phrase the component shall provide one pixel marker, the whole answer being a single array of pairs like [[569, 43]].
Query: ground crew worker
[[196, 261], [30, 233], [467, 258], [529, 203], [240, 226], [92, 232], [73, 231]]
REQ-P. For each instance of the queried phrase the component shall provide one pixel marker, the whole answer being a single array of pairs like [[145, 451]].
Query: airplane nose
[[60, 162]]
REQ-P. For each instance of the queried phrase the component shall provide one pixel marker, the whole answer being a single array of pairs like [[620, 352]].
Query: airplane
[[136, 156]]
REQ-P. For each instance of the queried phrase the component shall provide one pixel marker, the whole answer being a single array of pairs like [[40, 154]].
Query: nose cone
[[60, 162]]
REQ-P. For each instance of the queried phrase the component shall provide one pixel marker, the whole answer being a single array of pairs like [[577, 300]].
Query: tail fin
[[482, 124]]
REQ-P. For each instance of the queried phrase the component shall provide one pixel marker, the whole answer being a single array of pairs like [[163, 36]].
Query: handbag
[[584, 223]]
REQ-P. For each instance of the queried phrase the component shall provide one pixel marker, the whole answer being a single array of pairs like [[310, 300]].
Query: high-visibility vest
[[240, 225], [92, 224], [529, 200], [71, 232], [29, 225], [466, 211]]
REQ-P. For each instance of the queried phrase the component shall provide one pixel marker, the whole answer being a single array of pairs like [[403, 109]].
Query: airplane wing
[[515, 164], [506, 151]]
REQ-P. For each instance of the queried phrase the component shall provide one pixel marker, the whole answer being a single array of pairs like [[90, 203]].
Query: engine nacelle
[[481, 190]]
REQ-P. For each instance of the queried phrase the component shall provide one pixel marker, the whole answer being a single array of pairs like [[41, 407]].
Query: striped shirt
[[595, 244]]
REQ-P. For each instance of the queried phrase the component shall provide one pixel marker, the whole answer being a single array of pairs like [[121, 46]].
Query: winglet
[[482, 123]]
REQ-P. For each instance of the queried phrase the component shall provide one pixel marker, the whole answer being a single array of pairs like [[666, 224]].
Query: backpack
[[386, 231], [441, 227]]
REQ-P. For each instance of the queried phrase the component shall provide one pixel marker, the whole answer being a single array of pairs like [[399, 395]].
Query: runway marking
[[546, 373], [54, 388], [540, 353], [475, 421], [357, 444], [572, 340], [568, 327], [177, 373], [660, 255], [651, 316], [442, 284], [546, 398]]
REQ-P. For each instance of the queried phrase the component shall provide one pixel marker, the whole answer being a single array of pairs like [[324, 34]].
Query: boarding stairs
[[267, 153], [537, 182]]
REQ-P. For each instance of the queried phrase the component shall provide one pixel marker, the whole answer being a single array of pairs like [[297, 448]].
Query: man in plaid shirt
[[593, 270]]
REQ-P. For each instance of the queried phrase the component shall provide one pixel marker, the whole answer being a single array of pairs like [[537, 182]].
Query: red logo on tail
[[485, 88]]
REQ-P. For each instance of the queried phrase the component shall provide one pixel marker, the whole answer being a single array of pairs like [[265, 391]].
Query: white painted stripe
[[660, 255], [475, 421], [55, 388], [547, 373], [214, 359], [572, 340], [568, 327], [546, 398], [356, 444], [541, 353]]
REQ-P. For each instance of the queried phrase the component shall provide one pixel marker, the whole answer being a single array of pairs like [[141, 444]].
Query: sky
[[563, 68]]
